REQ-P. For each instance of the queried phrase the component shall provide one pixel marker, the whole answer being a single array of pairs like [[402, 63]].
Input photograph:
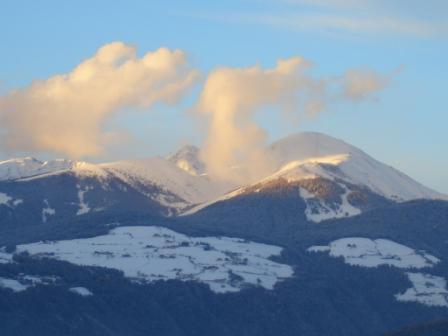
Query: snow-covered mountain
[[333, 178], [14, 169], [108, 239], [34, 191], [188, 159], [314, 154], [167, 175]]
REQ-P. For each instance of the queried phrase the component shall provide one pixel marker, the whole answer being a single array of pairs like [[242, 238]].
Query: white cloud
[[235, 148], [231, 97], [66, 113]]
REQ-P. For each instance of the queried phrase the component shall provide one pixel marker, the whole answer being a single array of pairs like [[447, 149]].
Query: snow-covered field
[[372, 253], [156, 253], [427, 289]]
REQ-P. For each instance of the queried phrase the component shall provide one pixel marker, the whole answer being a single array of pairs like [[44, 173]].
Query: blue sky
[[405, 125]]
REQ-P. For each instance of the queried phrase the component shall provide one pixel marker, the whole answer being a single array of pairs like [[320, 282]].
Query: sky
[[399, 47]]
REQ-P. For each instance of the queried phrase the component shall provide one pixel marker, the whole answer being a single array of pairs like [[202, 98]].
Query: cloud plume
[[236, 146], [232, 96], [359, 84], [66, 113]]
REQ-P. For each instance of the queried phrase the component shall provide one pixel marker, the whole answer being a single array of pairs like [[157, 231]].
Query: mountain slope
[[333, 178], [33, 193], [308, 150], [113, 259], [14, 169]]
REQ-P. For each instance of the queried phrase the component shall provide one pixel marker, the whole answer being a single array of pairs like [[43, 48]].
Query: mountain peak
[[188, 159], [308, 153], [306, 145]]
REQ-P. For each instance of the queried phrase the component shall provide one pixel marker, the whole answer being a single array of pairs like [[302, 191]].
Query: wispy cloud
[[373, 17], [339, 23]]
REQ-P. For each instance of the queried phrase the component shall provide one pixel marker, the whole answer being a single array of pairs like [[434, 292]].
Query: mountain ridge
[[333, 178]]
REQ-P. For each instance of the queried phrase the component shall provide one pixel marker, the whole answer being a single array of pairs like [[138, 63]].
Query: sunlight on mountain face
[[165, 168]]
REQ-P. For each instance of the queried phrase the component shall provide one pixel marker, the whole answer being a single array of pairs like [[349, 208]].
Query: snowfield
[[154, 253], [427, 289], [373, 253]]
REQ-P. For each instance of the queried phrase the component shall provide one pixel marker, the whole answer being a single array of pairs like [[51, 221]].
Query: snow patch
[[9, 201], [47, 211], [17, 202], [5, 258], [23, 282], [426, 289], [4, 198], [83, 206], [373, 253], [317, 210], [13, 284], [81, 291], [148, 254]]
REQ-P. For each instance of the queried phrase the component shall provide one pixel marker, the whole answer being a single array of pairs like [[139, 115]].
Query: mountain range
[[329, 242], [335, 180]]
